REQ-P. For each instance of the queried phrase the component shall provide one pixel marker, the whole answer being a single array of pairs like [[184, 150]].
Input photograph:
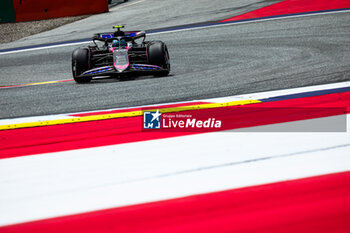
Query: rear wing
[[129, 35]]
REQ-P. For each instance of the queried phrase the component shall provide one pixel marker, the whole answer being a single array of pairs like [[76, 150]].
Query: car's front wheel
[[158, 55], [80, 64]]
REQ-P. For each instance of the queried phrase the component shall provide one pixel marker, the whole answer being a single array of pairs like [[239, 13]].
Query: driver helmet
[[122, 42], [115, 43]]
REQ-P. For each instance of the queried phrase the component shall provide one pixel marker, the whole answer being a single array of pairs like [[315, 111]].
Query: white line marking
[[270, 94], [45, 47], [185, 29]]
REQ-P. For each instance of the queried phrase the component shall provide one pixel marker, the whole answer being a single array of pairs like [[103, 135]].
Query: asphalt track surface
[[208, 62]]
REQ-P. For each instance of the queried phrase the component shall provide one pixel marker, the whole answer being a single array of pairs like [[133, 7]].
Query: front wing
[[110, 70]]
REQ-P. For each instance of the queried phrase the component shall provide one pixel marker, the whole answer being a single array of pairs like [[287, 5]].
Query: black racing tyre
[[158, 55], [80, 64]]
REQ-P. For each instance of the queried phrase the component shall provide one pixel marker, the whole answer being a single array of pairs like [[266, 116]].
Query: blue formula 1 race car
[[120, 55]]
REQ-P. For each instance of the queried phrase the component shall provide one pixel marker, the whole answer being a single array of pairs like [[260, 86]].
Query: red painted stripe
[[318, 204], [12, 86], [137, 109], [28, 141], [292, 7]]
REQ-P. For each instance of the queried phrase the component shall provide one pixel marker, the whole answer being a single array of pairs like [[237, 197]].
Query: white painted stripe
[[46, 47], [277, 93], [56, 184], [185, 29]]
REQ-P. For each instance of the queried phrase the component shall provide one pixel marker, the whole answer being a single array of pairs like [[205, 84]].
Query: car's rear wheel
[[158, 55], [80, 64]]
